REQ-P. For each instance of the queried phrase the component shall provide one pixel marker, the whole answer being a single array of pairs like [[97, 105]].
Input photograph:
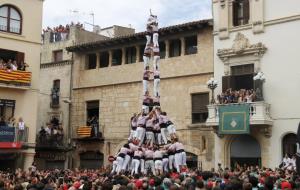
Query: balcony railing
[[50, 141], [259, 114], [19, 78], [13, 137]]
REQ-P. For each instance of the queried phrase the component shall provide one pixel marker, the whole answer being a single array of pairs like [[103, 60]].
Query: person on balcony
[[21, 129], [12, 122]]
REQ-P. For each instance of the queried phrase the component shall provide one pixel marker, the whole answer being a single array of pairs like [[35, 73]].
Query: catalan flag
[[15, 77], [84, 131]]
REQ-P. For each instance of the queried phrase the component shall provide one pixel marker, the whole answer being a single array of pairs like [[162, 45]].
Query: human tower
[[153, 146]]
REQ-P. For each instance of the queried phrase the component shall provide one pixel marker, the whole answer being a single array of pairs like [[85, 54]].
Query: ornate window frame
[[242, 53]]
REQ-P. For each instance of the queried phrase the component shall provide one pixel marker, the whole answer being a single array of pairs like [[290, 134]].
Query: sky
[[128, 13]]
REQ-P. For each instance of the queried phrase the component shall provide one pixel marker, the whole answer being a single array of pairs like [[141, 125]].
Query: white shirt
[[21, 126]]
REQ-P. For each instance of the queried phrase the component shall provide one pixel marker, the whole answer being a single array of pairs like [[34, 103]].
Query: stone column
[[97, 60], [182, 52], [28, 159], [167, 44], [110, 58], [123, 56], [137, 54]]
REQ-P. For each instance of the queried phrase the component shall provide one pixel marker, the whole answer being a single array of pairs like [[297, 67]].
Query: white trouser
[[148, 37], [145, 108], [171, 129], [149, 164], [164, 134], [156, 59], [135, 166], [165, 163], [142, 166], [132, 134], [156, 87], [146, 61], [180, 160], [171, 162], [125, 163], [120, 161], [114, 166], [150, 137], [145, 86], [158, 165], [155, 39], [159, 138], [140, 131]]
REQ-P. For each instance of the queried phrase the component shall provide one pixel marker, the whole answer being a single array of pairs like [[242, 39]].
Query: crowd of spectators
[[240, 178], [236, 96], [61, 33], [12, 65], [51, 135]]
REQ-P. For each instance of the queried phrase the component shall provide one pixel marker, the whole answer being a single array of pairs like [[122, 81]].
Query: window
[[57, 55], [162, 49], [10, 19], [175, 48], [130, 55], [92, 119], [241, 78], [55, 93], [240, 12], [142, 48], [199, 109], [7, 109], [104, 59], [117, 57], [91, 61], [190, 45]]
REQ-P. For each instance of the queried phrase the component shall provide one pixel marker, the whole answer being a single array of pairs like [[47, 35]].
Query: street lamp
[[212, 85], [260, 79]]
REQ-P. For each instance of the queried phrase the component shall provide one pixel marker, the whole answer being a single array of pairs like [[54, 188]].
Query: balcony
[[46, 141], [89, 133], [15, 79], [259, 114], [13, 137]]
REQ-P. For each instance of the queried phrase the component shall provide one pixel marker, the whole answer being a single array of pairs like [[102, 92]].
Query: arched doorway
[[289, 144], [245, 149], [191, 160]]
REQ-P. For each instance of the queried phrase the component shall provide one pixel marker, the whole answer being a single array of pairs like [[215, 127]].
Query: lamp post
[[212, 85], [260, 79]]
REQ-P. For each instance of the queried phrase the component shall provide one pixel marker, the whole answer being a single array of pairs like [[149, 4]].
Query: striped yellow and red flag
[[84, 131], [20, 77]]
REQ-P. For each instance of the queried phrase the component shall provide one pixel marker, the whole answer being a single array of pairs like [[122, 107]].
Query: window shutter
[[199, 103], [235, 8], [226, 83], [246, 11], [20, 57]]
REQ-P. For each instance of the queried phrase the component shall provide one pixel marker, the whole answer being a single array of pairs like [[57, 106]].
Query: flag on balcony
[[234, 119], [20, 77], [84, 131]]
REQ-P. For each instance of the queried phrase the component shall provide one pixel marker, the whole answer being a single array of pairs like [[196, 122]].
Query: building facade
[[257, 37], [107, 86], [20, 41], [53, 133]]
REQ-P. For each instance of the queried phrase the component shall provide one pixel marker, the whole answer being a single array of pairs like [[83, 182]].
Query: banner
[[234, 119], [7, 138], [20, 77], [7, 134]]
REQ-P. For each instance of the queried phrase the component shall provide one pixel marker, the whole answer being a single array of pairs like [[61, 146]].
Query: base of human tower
[[152, 146]]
